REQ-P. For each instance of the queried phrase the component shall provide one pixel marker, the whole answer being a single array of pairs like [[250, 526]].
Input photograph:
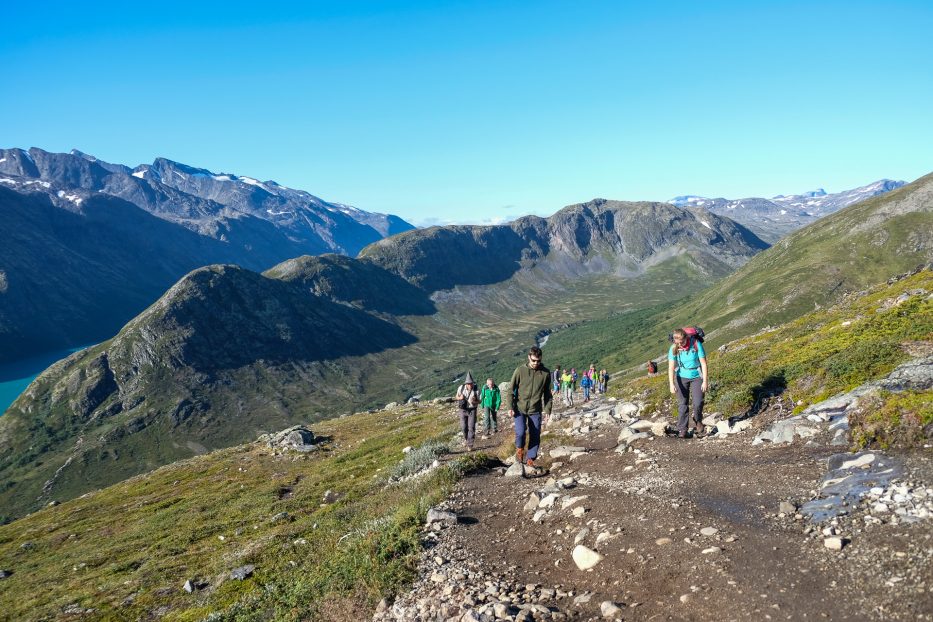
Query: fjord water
[[16, 376]]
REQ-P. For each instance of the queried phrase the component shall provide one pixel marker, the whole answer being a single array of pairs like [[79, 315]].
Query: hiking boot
[[700, 431], [682, 434], [530, 463], [520, 456]]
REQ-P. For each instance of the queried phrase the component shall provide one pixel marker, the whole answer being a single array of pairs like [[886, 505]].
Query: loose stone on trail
[[585, 558]]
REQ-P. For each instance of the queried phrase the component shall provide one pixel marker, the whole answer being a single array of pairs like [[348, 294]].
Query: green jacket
[[532, 388], [490, 398]]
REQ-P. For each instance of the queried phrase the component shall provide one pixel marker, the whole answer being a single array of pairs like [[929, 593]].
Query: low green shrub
[[888, 420]]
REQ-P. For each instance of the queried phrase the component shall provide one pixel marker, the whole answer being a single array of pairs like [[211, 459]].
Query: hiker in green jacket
[[529, 397], [491, 399]]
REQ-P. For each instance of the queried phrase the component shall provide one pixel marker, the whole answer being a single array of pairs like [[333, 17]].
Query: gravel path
[[698, 529]]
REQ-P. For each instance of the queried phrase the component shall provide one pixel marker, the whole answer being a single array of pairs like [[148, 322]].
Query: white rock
[[548, 501], [579, 511], [711, 550], [609, 609], [516, 470], [834, 543], [581, 535], [603, 537], [533, 501], [879, 508], [709, 531], [585, 558], [539, 515], [861, 461], [723, 428], [566, 502]]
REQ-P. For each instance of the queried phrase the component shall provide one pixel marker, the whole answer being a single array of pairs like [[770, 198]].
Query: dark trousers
[[468, 425], [492, 423], [689, 388], [532, 423]]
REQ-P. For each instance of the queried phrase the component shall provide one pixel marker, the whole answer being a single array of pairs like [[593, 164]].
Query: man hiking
[[529, 397], [491, 399], [467, 400], [688, 377]]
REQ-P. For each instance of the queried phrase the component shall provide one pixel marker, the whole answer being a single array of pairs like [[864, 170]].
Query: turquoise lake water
[[15, 377]]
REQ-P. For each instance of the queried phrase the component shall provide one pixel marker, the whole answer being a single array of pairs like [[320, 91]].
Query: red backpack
[[694, 334]]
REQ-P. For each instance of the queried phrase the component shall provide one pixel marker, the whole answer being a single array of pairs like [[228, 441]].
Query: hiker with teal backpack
[[688, 376], [490, 398]]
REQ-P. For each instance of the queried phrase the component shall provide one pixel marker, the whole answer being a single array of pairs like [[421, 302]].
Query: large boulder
[[295, 438]]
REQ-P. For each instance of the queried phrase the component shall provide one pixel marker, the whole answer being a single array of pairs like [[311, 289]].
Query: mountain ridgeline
[[228, 353], [598, 237], [118, 237], [772, 219]]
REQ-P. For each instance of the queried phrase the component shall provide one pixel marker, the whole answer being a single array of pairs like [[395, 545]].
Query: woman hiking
[[688, 377], [467, 400]]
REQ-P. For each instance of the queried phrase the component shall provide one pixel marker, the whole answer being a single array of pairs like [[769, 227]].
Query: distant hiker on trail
[[573, 378], [591, 373], [689, 379], [491, 399], [586, 383], [603, 380], [529, 398], [555, 380], [566, 388], [467, 401]]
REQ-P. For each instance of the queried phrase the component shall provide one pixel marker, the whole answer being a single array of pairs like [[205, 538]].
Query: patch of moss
[[893, 420]]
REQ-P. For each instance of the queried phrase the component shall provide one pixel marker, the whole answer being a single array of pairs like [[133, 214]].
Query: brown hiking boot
[[530, 462], [520, 456]]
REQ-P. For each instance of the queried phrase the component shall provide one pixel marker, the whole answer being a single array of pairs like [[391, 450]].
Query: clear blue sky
[[475, 111]]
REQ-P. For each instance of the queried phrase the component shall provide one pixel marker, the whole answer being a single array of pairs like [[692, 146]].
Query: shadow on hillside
[[773, 385]]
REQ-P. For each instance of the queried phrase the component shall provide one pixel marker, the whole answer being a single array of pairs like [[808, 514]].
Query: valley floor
[[643, 511]]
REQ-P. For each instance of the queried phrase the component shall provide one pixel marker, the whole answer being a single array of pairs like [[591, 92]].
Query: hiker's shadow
[[772, 386]]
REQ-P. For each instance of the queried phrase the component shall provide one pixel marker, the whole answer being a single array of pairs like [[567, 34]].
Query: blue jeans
[[532, 422], [586, 393]]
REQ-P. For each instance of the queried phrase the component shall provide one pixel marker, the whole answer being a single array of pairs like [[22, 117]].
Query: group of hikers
[[564, 383], [531, 390]]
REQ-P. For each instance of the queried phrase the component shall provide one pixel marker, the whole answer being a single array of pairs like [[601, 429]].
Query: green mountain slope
[[227, 353], [815, 266], [199, 518]]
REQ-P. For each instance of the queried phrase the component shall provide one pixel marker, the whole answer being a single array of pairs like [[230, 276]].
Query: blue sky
[[480, 111]]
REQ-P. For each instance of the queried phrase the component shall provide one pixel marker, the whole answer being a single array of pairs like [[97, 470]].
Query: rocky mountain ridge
[[88, 244], [773, 218]]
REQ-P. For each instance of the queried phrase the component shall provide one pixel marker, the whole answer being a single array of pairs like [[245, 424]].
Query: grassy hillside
[[202, 517], [821, 354], [816, 266]]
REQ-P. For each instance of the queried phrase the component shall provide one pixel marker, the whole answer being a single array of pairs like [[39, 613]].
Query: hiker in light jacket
[[467, 401], [688, 359], [528, 400], [566, 388], [490, 399]]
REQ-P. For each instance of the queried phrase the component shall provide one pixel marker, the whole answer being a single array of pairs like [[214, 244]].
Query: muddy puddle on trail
[[732, 509]]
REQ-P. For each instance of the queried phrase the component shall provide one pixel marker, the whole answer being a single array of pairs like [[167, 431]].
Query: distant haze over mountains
[[774, 218], [87, 244]]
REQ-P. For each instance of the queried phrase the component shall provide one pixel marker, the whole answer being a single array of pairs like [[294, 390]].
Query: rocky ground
[[628, 522]]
